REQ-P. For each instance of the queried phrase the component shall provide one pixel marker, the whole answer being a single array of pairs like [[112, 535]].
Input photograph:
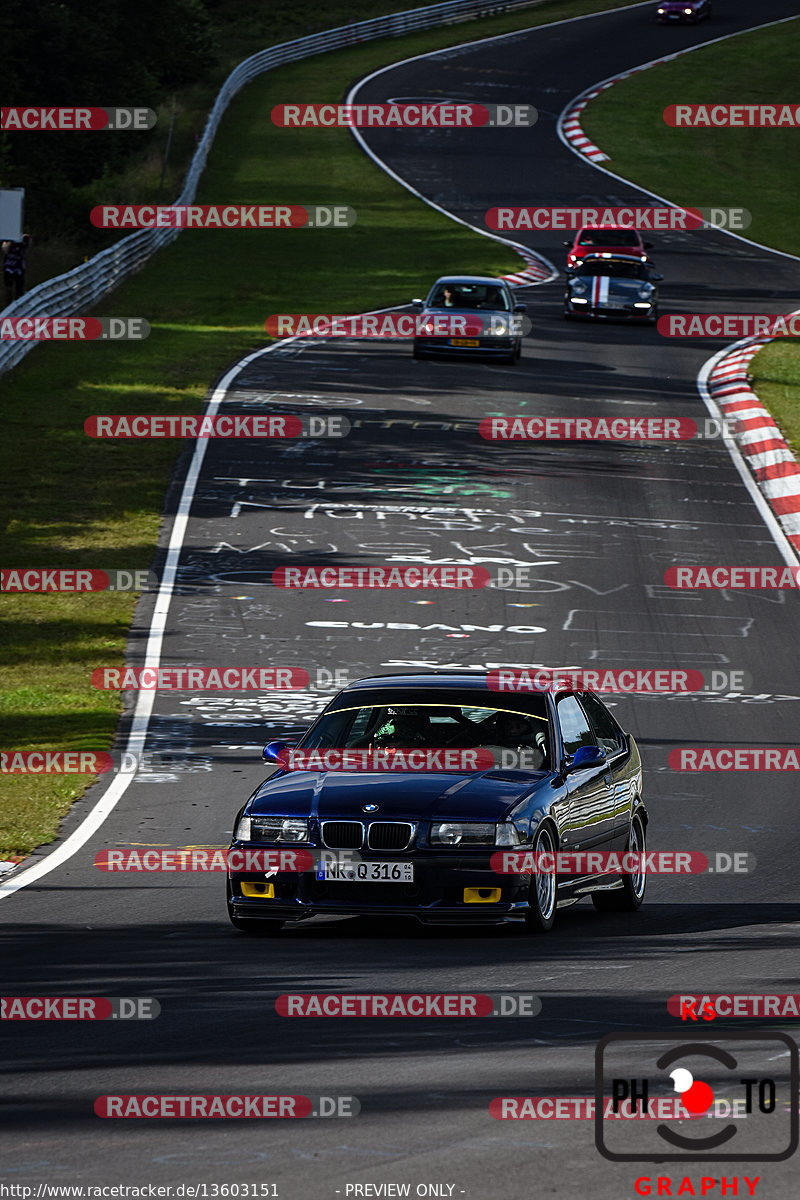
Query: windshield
[[609, 237], [621, 270], [431, 726], [462, 295]]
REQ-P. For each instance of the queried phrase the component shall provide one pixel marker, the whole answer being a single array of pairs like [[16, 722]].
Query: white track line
[[524, 251], [145, 700], [770, 520], [604, 84], [785, 547]]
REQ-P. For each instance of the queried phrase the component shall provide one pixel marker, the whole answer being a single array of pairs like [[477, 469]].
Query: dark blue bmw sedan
[[408, 791]]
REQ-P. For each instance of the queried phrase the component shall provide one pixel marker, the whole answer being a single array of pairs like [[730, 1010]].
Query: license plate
[[464, 342], [367, 872]]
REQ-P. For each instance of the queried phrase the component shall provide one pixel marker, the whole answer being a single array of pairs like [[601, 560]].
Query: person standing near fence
[[14, 267]]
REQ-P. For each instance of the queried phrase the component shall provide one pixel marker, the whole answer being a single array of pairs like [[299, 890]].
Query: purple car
[[677, 12]]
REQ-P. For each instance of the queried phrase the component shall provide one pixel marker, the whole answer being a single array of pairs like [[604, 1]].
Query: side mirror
[[570, 270], [656, 276], [520, 308], [417, 303], [273, 750], [647, 245], [587, 756], [566, 243]]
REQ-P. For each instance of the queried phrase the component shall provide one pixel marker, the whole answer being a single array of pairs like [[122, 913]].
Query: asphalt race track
[[598, 524]]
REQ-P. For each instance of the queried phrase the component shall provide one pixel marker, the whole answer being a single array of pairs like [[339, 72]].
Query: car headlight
[[473, 833], [688, 11], [578, 286], [507, 834], [272, 829]]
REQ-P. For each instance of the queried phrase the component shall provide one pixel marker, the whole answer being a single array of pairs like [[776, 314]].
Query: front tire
[[629, 897], [541, 913]]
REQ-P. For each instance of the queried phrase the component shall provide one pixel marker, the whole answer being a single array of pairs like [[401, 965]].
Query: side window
[[608, 737], [574, 725]]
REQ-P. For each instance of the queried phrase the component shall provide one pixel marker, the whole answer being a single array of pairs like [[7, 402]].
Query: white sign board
[[12, 203]]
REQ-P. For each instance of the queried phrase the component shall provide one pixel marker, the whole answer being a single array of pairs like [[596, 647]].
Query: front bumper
[[435, 347], [603, 313], [436, 896]]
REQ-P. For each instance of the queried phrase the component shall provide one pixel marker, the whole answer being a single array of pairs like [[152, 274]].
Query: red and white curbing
[[538, 270], [571, 128], [774, 466], [569, 125]]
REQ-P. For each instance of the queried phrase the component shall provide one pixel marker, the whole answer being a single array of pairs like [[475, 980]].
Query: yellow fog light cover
[[481, 895], [264, 891]]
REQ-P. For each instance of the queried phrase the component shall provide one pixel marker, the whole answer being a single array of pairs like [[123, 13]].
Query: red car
[[612, 239]]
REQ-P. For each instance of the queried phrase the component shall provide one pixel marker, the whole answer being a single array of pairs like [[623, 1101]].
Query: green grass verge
[[75, 502], [744, 168], [775, 372]]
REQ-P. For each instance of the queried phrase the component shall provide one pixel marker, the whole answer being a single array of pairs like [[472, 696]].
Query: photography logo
[[739, 1092]]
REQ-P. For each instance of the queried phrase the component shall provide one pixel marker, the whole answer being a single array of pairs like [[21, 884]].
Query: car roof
[[443, 687], [470, 279], [608, 229]]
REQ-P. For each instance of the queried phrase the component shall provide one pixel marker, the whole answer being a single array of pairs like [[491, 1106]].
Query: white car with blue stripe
[[612, 285]]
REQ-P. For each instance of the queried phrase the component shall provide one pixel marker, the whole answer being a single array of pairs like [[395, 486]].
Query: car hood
[[677, 5], [482, 795], [602, 288], [471, 314]]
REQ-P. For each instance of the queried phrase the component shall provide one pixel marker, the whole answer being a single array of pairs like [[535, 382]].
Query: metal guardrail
[[74, 292]]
